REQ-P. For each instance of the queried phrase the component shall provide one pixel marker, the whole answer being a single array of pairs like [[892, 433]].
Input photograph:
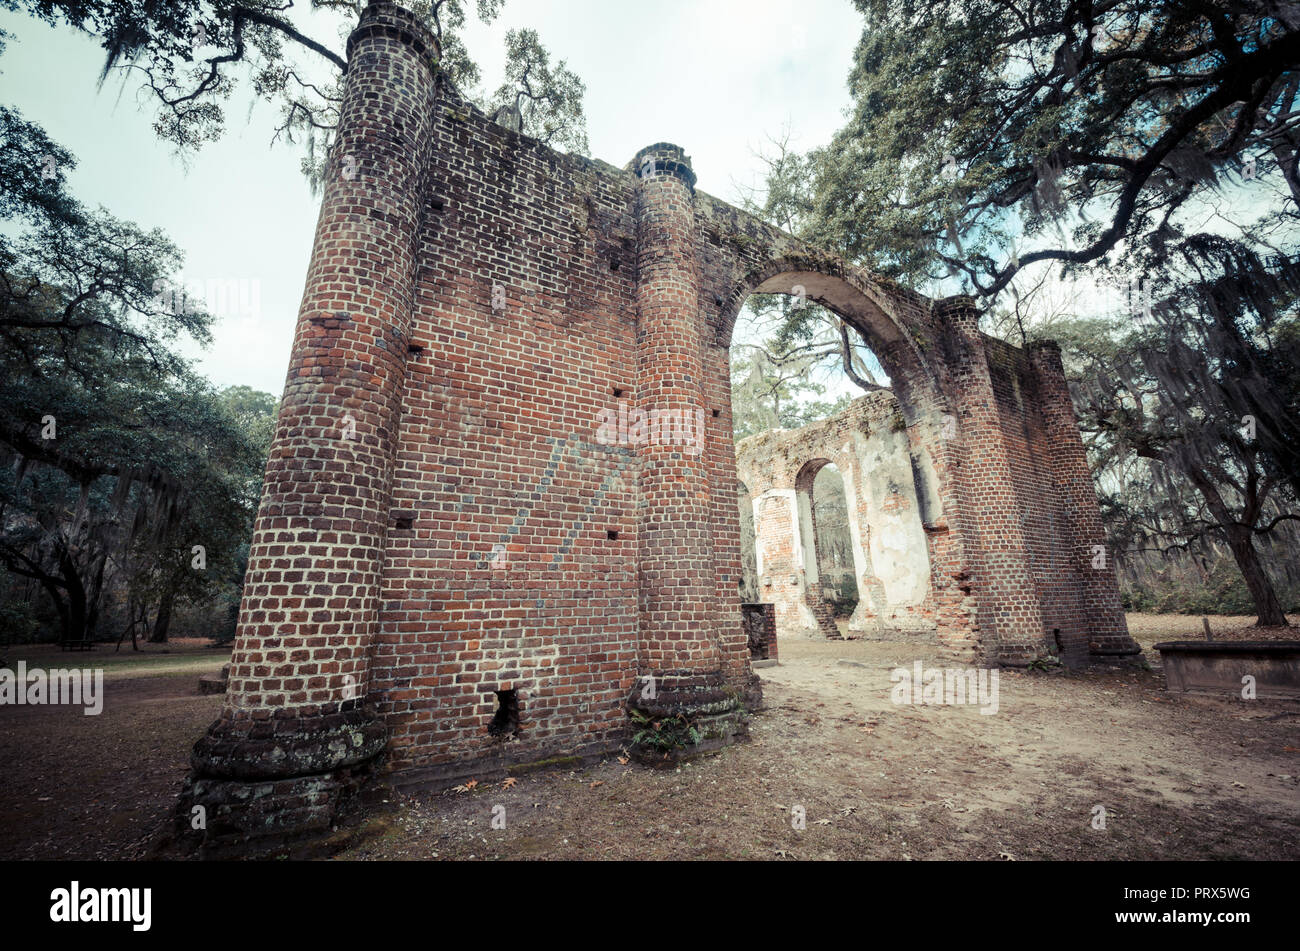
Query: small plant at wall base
[[665, 734]]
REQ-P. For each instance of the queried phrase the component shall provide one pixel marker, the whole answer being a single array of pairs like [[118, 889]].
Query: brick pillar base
[[263, 785], [681, 714], [681, 704]]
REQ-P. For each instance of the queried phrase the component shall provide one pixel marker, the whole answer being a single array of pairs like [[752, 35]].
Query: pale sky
[[714, 76]]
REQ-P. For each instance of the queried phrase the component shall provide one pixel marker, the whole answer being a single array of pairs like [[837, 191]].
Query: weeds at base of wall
[[666, 734]]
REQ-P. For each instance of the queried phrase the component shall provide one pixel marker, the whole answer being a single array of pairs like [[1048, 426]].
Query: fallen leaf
[[510, 781], [622, 761], [599, 782]]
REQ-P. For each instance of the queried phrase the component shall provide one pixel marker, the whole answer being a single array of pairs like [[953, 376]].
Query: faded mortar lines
[[578, 451]]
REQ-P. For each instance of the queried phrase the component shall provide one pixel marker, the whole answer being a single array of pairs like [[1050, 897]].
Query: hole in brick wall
[[414, 349], [1056, 637], [405, 523], [613, 264], [717, 413], [611, 534], [505, 722], [618, 391]]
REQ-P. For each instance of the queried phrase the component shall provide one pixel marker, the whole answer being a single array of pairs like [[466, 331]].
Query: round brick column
[[1010, 615], [678, 644], [1101, 627], [296, 715]]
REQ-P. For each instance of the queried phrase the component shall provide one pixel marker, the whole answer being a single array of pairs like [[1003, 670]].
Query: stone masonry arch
[[503, 477], [806, 556]]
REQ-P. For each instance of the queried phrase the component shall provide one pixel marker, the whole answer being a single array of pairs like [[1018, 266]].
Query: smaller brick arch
[[900, 586], [808, 556]]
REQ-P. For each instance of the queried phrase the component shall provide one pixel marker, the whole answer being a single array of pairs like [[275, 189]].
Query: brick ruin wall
[[896, 518], [887, 521], [499, 514]]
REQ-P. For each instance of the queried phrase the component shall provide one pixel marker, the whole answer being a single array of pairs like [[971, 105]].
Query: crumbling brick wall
[[503, 466]]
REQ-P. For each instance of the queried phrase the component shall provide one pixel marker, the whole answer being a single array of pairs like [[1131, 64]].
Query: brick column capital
[[663, 159], [384, 19]]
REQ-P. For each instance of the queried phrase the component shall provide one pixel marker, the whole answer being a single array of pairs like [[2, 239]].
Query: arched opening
[[844, 492], [823, 531], [833, 542], [748, 547], [871, 311]]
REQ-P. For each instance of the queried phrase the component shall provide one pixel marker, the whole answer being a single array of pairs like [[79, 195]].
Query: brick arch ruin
[[891, 524], [499, 518]]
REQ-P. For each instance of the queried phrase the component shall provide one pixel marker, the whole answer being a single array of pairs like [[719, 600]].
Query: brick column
[[297, 725], [724, 527], [1103, 629], [1010, 611], [677, 642]]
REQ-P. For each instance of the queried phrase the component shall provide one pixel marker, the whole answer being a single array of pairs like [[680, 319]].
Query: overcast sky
[[714, 76]]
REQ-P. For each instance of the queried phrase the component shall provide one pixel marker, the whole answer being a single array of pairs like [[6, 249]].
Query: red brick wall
[[446, 515], [508, 577]]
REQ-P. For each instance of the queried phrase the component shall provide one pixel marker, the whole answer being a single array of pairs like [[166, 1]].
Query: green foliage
[[548, 97], [118, 460], [191, 56], [771, 389], [1071, 129], [67, 272], [448, 18], [1179, 583], [19, 623], [1189, 417], [665, 734], [842, 591]]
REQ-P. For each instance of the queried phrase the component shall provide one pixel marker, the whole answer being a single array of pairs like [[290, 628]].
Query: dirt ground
[[98, 787], [1178, 777]]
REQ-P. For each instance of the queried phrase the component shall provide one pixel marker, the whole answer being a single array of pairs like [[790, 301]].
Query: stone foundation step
[[215, 683]]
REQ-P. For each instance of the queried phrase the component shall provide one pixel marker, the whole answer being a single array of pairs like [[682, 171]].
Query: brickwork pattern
[[502, 479]]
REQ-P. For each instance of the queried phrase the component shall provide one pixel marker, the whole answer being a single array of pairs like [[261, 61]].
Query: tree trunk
[[163, 619], [74, 622], [1267, 605], [1241, 543], [94, 593]]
